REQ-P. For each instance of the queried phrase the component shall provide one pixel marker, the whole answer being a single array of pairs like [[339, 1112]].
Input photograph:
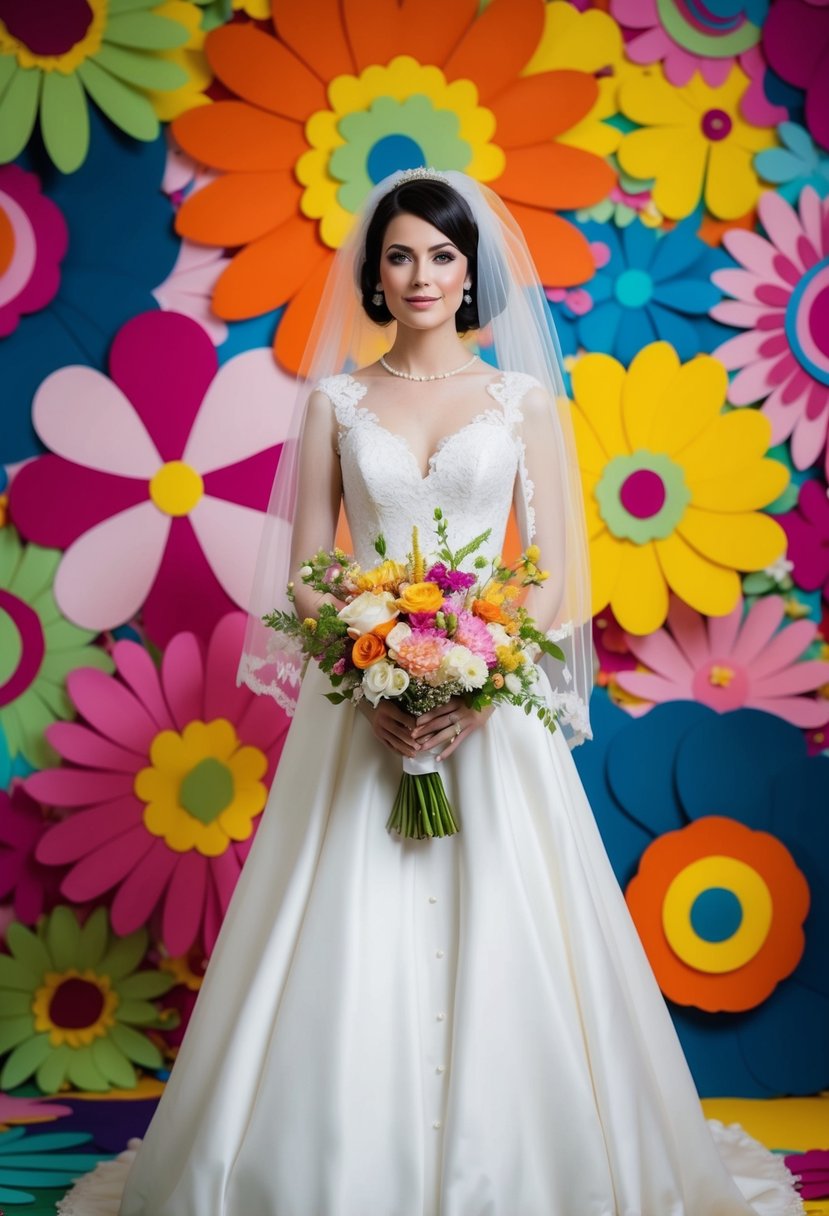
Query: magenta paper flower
[[781, 297], [812, 1170], [807, 529], [30, 885], [732, 662], [162, 784], [160, 477], [188, 289], [796, 42], [33, 242]]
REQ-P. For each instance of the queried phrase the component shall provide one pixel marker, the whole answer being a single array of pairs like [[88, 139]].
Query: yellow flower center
[[720, 677], [74, 1007], [176, 488]]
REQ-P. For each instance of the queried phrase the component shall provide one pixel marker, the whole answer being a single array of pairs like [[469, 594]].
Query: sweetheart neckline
[[481, 417]]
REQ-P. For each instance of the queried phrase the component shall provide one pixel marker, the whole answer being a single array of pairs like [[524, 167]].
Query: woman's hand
[[391, 725], [441, 725]]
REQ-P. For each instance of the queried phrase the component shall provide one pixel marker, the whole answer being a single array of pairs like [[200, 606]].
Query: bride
[[464, 1026]]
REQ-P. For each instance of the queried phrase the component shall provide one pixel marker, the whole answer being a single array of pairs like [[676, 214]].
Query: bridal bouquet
[[423, 633]]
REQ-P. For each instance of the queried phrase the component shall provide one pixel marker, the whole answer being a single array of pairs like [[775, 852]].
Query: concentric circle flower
[[796, 43], [648, 285], [310, 123], [730, 662], [724, 814], [672, 488], [782, 299], [38, 649], [34, 239], [72, 999], [720, 911], [54, 55], [694, 143], [160, 509], [704, 38], [163, 784]]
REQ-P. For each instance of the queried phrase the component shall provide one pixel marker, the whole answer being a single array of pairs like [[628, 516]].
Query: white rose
[[304, 571], [399, 682], [395, 636], [368, 611], [512, 682], [377, 681]]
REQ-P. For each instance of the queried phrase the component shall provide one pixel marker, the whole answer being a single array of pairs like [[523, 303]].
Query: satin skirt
[[457, 1027]]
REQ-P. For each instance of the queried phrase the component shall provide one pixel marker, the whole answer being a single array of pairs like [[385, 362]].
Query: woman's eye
[[446, 256], [397, 258]]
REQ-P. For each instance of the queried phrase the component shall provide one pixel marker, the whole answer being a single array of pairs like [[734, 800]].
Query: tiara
[[421, 174]]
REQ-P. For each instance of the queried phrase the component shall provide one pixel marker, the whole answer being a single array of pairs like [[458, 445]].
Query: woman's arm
[[319, 495], [541, 462]]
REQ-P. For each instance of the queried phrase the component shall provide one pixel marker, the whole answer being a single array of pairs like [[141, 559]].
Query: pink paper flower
[[162, 784], [34, 244], [31, 885], [30, 1110], [807, 529], [796, 42], [160, 478], [732, 663], [781, 298], [188, 289]]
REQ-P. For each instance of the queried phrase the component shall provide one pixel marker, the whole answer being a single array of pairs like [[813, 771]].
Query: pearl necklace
[[437, 376]]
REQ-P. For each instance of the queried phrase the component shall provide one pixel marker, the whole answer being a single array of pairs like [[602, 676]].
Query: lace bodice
[[471, 474]]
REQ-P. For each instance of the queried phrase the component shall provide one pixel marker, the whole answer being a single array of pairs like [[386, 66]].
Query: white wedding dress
[[465, 1026]]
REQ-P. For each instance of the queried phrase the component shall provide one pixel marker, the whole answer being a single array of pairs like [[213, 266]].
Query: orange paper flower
[[696, 884], [315, 119], [368, 649]]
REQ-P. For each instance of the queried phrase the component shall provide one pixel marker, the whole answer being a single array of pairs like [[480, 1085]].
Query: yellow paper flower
[[202, 790], [694, 142], [673, 488]]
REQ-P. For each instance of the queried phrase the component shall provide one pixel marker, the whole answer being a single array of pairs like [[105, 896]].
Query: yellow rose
[[420, 597], [385, 577]]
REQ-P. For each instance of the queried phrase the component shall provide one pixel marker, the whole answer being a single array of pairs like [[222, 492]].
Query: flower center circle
[[393, 152], [76, 1003], [716, 914], [207, 790], [176, 488], [807, 329], [633, 288], [723, 952], [22, 646], [47, 27], [642, 494], [7, 241], [720, 684], [716, 124]]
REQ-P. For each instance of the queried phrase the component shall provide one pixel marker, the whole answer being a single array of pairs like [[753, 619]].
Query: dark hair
[[440, 205]]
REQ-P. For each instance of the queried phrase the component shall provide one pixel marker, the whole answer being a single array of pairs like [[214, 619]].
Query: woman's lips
[[421, 301]]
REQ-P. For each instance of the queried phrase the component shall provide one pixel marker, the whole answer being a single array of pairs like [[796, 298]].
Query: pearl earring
[[467, 298], [377, 298]]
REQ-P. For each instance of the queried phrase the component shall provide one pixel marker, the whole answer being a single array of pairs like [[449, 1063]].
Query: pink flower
[[421, 652], [162, 784], [812, 1170], [160, 479], [36, 241], [796, 42], [32, 885], [807, 529], [473, 633], [188, 289], [732, 663], [781, 298]]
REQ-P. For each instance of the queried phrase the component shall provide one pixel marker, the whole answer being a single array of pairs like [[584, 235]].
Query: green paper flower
[[38, 649], [642, 497], [39, 1161], [52, 59], [72, 1001]]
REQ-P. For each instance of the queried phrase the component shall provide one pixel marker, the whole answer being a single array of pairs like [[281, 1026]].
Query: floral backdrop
[[175, 178]]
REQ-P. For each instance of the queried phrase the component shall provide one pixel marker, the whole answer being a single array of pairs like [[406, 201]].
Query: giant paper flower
[[23, 879], [694, 143], [72, 999], [807, 529], [798, 162], [782, 299], [68, 277], [160, 480], [54, 55], [649, 286], [38, 648], [723, 815], [165, 781], [706, 39], [37, 1160], [796, 42], [314, 120], [672, 488], [729, 662]]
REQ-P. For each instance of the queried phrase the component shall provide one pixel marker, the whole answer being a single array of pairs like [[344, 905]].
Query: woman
[[464, 1026]]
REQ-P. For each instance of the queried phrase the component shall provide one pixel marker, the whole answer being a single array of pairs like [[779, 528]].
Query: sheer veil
[[519, 337]]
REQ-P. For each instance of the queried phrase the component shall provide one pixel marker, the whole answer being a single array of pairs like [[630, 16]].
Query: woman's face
[[422, 274]]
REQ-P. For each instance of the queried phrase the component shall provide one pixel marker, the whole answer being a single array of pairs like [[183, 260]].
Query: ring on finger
[[458, 728]]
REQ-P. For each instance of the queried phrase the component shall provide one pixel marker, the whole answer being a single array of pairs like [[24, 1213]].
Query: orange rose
[[368, 649], [420, 597], [487, 611], [384, 628]]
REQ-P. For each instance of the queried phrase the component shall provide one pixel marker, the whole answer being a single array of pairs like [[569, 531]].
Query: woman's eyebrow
[[408, 248]]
